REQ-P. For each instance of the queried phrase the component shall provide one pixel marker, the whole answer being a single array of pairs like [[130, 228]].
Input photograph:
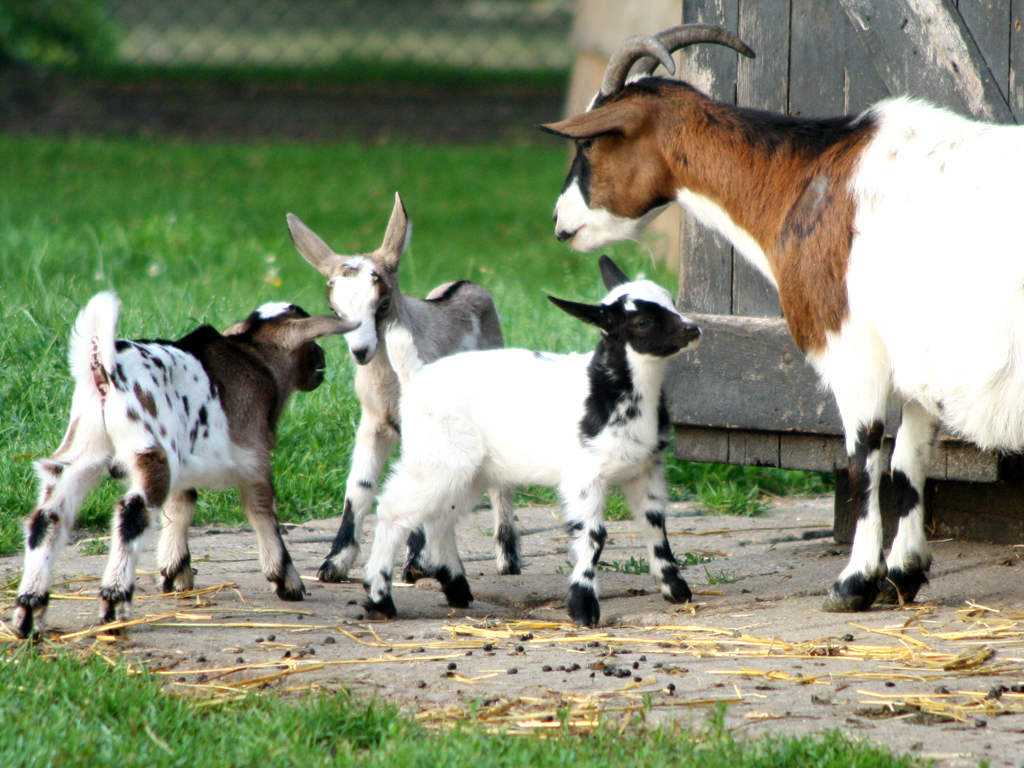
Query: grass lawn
[[191, 233], [104, 716]]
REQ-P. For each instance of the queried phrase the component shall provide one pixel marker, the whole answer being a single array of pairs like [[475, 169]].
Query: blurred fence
[[494, 35]]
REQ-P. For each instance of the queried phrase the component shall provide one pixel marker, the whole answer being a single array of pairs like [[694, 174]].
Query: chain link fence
[[490, 35]]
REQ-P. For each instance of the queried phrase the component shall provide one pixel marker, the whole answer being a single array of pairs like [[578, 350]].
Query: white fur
[[512, 417], [593, 228]]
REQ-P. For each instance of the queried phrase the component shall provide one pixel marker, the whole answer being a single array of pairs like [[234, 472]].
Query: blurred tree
[[54, 32]]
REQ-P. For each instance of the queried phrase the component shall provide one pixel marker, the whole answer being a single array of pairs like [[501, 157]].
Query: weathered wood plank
[[923, 48], [748, 374], [709, 446], [988, 22], [761, 83], [705, 270], [753, 449], [863, 86], [817, 75], [1016, 85]]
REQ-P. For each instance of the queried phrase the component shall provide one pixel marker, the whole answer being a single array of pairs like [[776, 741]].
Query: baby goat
[[455, 317], [892, 237], [171, 416], [514, 417]]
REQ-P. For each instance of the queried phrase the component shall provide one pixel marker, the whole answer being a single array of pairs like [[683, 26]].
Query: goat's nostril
[[564, 234]]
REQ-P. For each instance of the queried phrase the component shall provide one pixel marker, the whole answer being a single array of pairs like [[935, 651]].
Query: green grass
[[104, 716], [190, 233]]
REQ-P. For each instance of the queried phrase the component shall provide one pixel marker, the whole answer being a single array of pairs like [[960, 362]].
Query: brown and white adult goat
[[892, 237], [170, 417]]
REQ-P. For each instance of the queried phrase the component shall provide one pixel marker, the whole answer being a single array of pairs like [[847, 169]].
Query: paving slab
[[943, 677]]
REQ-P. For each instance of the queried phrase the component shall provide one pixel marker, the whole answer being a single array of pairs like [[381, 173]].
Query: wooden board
[[924, 49]]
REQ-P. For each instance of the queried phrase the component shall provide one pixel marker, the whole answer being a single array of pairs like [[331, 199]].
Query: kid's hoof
[[457, 592], [413, 572], [117, 604], [27, 609], [850, 595], [584, 609], [385, 607], [901, 586], [181, 578], [291, 594], [675, 589], [330, 573]]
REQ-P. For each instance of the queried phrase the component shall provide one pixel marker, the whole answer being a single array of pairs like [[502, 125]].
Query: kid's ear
[[611, 274], [595, 314]]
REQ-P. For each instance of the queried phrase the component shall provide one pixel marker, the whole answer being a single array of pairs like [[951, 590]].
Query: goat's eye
[[641, 324], [586, 144], [385, 305]]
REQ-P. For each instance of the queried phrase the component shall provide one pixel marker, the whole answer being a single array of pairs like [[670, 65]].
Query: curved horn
[[631, 51], [688, 34]]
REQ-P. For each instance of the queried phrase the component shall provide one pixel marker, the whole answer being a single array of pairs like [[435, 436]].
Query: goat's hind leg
[[507, 555], [909, 559], [374, 441], [648, 498], [150, 482], [275, 562], [176, 574], [442, 555], [64, 484]]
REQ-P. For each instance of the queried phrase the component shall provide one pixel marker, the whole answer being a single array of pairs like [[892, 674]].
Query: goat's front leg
[[909, 559], [584, 519], [647, 497], [374, 440], [507, 555], [173, 555], [150, 478], [275, 562], [857, 586], [63, 488]]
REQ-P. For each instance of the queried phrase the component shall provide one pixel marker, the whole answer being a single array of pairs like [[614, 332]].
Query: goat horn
[[632, 51], [688, 34]]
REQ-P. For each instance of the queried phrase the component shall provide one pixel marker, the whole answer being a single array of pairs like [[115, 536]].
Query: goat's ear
[[618, 117], [595, 314], [312, 247], [242, 326], [397, 236], [611, 274], [298, 331]]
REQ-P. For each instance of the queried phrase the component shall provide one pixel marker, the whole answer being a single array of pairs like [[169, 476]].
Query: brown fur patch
[[154, 475], [783, 180], [145, 399]]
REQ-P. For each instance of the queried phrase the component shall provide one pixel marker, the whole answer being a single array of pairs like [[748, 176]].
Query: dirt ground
[[943, 678]]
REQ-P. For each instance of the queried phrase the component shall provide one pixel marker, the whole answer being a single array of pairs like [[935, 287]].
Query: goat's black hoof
[[291, 594], [584, 610], [27, 607], [116, 603], [385, 607], [510, 569], [852, 594], [413, 572], [180, 578], [901, 586], [457, 592], [329, 573], [674, 588]]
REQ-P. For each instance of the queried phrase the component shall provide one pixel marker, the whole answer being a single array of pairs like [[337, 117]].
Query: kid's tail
[[91, 356]]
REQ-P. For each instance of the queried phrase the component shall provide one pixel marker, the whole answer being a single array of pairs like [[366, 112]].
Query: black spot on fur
[[664, 552], [574, 526], [367, 484], [117, 471], [38, 525], [202, 416], [610, 381], [869, 440], [907, 497], [133, 519], [414, 567], [655, 518]]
